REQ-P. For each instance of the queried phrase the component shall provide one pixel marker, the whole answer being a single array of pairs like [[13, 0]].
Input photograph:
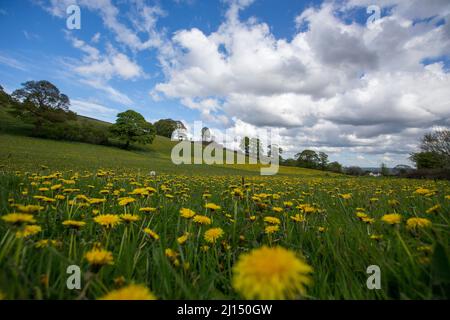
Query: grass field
[[23, 152], [100, 209]]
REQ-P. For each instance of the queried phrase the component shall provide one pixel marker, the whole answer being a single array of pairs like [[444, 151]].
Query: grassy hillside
[[28, 153], [18, 151]]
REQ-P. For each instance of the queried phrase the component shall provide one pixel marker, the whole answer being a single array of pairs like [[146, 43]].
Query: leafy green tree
[[131, 127], [245, 145], [437, 142], [280, 152], [384, 169], [206, 134], [434, 151], [41, 102], [354, 171], [308, 159], [5, 98], [334, 167], [289, 162], [428, 160], [165, 127], [323, 160], [256, 148]]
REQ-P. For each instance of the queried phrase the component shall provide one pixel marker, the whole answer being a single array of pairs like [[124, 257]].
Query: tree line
[[41, 106]]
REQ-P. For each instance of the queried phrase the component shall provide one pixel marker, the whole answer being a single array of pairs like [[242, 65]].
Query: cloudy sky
[[360, 79]]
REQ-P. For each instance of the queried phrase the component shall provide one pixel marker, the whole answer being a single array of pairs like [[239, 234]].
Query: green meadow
[[209, 232]]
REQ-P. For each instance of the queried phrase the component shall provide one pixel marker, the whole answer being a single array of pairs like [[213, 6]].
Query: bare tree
[[437, 142]]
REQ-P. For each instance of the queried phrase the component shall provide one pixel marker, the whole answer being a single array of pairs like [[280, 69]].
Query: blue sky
[[38, 41], [314, 69]]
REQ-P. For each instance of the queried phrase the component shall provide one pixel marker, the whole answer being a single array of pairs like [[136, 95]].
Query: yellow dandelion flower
[[130, 292], [237, 192], [433, 209], [202, 219], [28, 208], [74, 224], [368, 220], [97, 200], [181, 240], [345, 196], [298, 218], [170, 253], [99, 257], [147, 209], [107, 220], [271, 274], [187, 213], [128, 218], [417, 223], [47, 242], [277, 209], [125, 201], [309, 209], [44, 199], [272, 220], [423, 191], [361, 215], [288, 204], [392, 218], [28, 231], [151, 233], [211, 235], [212, 206], [18, 218], [271, 229]]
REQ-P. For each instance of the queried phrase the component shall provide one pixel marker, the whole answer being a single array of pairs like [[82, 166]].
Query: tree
[[41, 102], [354, 171], [307, 159], [434, 150], [131, 127], [280, 152], [165, 127], [401, 169], [245, 145], [323, 160], [334, 167], [206, 135], [256, 148], [289, 162], [5, 98], [437, 142], [384, 169], [428, 160]]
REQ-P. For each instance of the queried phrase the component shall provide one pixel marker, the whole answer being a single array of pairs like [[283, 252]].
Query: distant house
[[375, 174]]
